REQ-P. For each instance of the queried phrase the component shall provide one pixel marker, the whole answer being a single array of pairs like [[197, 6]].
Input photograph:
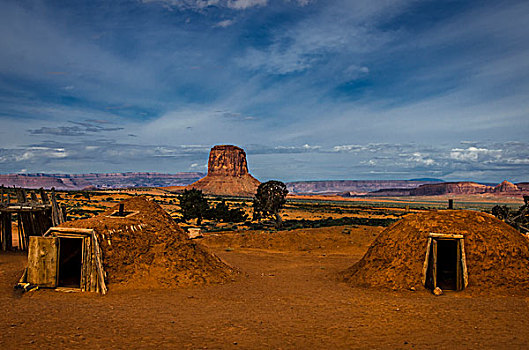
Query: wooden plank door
[[43, 254]]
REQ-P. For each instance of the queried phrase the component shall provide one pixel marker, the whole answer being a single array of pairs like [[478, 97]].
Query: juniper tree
[[269, 200]]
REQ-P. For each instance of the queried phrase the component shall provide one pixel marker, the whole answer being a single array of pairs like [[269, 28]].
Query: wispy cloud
[[202, 4], [312, 89]]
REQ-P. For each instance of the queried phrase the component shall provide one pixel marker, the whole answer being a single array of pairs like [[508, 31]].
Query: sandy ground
[[283, 300]]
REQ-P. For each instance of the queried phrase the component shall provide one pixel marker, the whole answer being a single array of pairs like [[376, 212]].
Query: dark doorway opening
[[447, 261], [70, 262]]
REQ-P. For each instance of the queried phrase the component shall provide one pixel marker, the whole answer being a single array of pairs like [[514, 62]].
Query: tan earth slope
[[227, 173]]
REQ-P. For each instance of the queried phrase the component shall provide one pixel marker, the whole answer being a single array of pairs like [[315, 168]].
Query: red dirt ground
[[284, 299]]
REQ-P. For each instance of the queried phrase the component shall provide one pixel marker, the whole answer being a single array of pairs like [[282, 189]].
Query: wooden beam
[[70, 230], [445, 235]]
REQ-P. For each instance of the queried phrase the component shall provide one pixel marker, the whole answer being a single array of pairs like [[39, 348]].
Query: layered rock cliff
[[506, 186], [109, 180], [350, 186], [227, 173], [450, 188]]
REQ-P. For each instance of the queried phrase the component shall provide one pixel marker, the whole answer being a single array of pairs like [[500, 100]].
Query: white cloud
[[473, 153], [224, 24], [244, 4], [421, 159], [348, 148], [202, 4]]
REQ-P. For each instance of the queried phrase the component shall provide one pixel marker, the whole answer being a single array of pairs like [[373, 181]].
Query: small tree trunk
[[279, 221]]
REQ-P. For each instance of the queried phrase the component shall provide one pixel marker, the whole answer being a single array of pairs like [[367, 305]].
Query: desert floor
[[288, 296]]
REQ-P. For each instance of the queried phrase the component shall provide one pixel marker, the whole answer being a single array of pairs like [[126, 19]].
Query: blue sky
[[311, 89]]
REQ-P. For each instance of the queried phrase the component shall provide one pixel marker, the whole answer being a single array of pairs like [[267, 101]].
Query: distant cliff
[[108, 180], [351, 186], [466, 187], [419, 187]]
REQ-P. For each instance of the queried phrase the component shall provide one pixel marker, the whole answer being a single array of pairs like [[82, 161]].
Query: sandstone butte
[[227, 173], [505, 187]]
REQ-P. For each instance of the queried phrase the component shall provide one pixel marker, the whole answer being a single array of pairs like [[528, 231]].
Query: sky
[[311, 89]]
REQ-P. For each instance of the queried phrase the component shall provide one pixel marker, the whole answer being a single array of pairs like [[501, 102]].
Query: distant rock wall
[[505, 187], [451, 187], [109, 180], [354, 186]]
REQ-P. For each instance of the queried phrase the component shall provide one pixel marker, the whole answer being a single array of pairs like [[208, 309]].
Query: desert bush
[[222, 212]]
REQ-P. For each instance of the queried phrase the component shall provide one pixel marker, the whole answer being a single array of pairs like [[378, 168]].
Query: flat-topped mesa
[[227, 160], [227, 174]]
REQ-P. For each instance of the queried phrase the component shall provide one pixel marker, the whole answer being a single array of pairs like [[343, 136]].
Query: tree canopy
[[193, 204], [269, 200]]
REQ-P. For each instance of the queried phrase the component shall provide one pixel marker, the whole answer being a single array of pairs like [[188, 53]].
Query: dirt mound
[[497, 255], [324, 239], [227, 173], [147, 249]]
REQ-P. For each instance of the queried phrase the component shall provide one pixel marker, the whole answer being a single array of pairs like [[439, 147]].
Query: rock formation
[[451, 188], [227, 173], [354, 186], [506, 186], [109, 180]]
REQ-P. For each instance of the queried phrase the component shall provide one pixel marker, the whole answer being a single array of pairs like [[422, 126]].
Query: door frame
[[430, 261]]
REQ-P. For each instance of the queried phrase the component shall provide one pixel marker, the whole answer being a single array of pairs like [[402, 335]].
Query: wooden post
[[21, 195], [99, 265], [426, 262], [450, 204], [20, 233], [434, 265], [459, 275], [64, 215], [2, 232], [121, 209], [43, 196], [54, 209], [464, 263], [8, 229]]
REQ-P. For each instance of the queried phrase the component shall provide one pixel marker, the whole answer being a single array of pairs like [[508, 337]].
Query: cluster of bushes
[[304, 223], [221, 212], [193, 204]]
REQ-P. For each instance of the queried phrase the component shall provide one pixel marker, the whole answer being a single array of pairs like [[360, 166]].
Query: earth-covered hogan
[[147, 249], [401, 257]]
